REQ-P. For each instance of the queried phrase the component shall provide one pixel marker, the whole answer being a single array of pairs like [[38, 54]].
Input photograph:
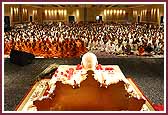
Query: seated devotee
[[128, 49], [119, 49], [82, 48], [134, 50], [111, 49], [7, 47], [156, 49], [162, 50], [141, 51], [149, 50], [89, 61]]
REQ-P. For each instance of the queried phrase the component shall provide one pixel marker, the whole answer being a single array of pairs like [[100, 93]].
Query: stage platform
[[39, 88]]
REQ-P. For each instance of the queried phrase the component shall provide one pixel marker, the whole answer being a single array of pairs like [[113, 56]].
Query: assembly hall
[[82, 57]]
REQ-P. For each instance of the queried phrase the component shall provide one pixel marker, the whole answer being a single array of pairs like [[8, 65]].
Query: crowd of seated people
[[44, 41], [135, 39], [73, 40]]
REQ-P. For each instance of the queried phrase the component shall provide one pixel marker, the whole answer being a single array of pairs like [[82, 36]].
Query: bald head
[[89, 61]]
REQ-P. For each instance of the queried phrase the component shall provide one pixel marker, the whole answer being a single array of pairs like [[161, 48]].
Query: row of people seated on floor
[[73, 40], [134, 39], [42, 48], [130, 49]]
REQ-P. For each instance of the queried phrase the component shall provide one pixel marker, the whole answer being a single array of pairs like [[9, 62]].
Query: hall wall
[[62, 14], [22, 13], [108, 14], [151, 14]]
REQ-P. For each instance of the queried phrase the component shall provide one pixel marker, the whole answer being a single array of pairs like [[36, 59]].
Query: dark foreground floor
[[148, 73]]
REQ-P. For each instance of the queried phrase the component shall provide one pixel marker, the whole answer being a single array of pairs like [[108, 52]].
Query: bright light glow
[[124, 12], [120, 11], [49, 12], [55, 12], [104, 12], [11, 10], [158, 12], [141, 12], [145, 12], [154, 11], [107, 12], [114, 11], [111, 11], [17, 10], [34, 12], [45, 12], [26, 11], [52, 13], [77, 13], [65, 12], [59, 11]]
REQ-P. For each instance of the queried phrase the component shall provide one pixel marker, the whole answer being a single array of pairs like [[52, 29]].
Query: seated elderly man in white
[[89, 62]]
